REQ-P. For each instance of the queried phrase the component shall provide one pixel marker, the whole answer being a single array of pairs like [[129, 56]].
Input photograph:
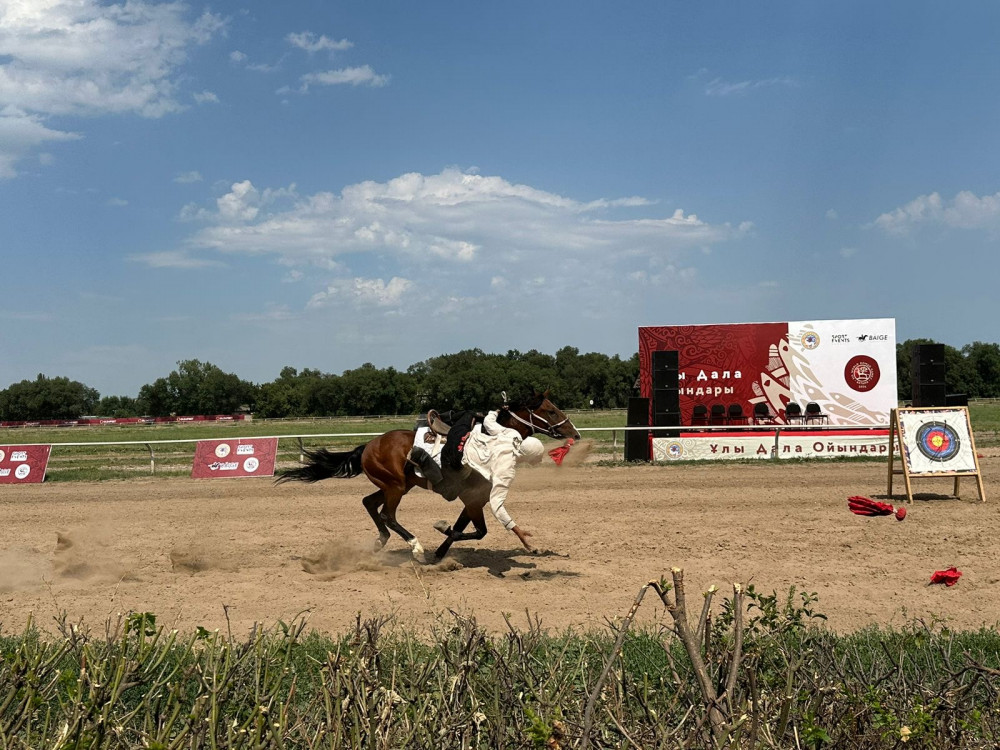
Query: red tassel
[[865, 506], [947, 577], [558, 454]]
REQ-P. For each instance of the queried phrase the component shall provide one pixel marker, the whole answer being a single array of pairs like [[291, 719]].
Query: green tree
[[983, 368], [47, 398], [196, 388], [119, 406]]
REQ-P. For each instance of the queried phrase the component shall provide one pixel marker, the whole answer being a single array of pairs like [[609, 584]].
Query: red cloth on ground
[[865, 506], [558, 454], [947, 577]]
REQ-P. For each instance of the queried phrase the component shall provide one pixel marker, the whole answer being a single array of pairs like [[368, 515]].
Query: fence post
[[152, 458]]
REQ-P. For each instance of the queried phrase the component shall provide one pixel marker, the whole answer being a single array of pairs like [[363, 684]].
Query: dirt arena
[[184, 548]]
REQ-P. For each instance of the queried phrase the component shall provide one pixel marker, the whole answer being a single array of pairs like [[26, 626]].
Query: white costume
[[495, 456]]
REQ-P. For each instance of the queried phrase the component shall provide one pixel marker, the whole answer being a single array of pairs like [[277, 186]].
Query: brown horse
[[383, 461]]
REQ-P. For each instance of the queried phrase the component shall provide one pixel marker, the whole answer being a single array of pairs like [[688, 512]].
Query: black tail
[[323, 464]]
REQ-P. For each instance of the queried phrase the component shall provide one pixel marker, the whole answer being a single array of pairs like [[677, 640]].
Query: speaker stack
[[927, 375], [666, 393], [637, 441]]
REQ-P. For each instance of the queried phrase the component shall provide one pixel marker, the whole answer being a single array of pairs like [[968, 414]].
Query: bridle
[[548, 429]]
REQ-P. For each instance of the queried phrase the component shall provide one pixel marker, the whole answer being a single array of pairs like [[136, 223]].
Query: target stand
[[934, 442]]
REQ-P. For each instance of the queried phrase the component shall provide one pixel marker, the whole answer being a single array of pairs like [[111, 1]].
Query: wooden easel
[[897, 438]]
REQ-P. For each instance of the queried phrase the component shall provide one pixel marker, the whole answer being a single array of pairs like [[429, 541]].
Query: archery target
[[937, 441]]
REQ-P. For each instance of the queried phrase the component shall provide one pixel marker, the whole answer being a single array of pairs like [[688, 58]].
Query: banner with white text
[[237, 457], [846, 367], [23, 464], [724, 446]]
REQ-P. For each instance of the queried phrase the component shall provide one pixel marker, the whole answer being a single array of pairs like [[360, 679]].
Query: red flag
[[558, 454], [865, 506], [947, 577]]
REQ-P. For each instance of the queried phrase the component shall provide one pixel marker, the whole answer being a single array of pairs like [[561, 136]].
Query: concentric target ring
[[938, 441]]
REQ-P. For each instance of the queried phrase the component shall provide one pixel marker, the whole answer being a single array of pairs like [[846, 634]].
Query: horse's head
[[539, 414]]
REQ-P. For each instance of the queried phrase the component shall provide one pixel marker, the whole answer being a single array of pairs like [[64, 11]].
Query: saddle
[[436, 424]]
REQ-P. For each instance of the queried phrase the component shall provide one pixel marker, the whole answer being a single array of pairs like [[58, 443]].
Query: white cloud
[[832, 214], [848, 252], [116, 202], [205, 97], [366, 292], [719, 87], [965, 211], [84, 57], [309, 42], [188, 177], [173, 259], [451, 230], [360, 76]]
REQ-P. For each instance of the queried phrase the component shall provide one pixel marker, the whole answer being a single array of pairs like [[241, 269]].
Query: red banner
[[23, 464], [246, 457]]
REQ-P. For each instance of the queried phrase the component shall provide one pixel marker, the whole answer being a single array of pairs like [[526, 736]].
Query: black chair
[[699, 414], [762, 414], [815, 414], [736, 415], [793, 413], [718, 414]]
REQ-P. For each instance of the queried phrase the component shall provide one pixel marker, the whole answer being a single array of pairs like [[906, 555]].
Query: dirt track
[[184, 548]]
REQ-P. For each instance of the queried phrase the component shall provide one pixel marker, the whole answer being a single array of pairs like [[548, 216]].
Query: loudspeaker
[[666, 399], [927, 375], [666, 379], [636, 445], [637, 441], [956, 399], [638, 413], [664, 360], [666, 418], [926, 396]]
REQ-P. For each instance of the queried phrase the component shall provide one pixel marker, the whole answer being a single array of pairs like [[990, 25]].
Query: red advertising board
[[23, 464], [237, 457], [846, 367]]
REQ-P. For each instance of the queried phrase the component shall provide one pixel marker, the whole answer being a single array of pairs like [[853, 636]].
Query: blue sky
[[322, 184]]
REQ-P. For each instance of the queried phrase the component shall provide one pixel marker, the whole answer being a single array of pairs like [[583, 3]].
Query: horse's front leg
[[373, 503], [455, 533]]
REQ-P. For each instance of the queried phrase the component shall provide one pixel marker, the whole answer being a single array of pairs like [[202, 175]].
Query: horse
[[384, 461]]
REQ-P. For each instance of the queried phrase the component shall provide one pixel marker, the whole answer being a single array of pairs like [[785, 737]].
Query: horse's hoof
[[443, 527], [417, 549], [380, 544]]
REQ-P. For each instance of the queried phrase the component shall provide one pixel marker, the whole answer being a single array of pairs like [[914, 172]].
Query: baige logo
[[810, 340], [222, 450], [873, 337], [861, 373]]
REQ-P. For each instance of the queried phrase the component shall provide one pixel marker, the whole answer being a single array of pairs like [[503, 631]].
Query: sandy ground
[[184, 548]]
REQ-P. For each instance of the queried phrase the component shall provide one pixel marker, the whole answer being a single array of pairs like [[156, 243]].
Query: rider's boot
[[427, 465], [445, 482]]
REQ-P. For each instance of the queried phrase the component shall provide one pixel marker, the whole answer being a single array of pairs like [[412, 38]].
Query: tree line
[[468, 379]]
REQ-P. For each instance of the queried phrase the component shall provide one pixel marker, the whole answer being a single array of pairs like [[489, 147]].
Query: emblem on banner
[[810, 340], [861, 373], [222, 450]]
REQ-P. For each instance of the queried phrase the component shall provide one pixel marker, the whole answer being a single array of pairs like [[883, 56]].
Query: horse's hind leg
[[372, 504], [389, 519], [455, 533]]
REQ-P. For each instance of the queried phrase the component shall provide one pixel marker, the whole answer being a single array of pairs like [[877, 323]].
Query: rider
[[494, 452]]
